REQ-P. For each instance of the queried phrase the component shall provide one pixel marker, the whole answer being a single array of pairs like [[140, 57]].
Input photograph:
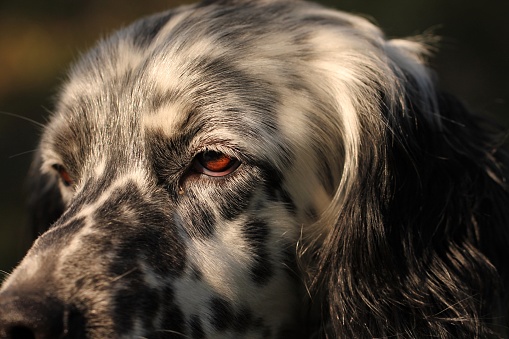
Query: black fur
[[364, 203], [421, 249]]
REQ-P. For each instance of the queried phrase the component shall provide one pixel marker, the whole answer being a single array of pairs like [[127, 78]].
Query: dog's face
[[194, 153]]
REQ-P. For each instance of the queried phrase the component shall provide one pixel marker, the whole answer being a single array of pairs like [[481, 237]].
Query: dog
[[262, 169]]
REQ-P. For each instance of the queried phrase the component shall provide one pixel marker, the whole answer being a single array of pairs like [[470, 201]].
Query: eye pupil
[[216, 162]]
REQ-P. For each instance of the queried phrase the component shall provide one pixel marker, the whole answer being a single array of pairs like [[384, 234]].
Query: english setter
[[262, 169]]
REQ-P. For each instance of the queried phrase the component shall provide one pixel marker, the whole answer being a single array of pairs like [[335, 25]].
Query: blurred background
[[39, 39]]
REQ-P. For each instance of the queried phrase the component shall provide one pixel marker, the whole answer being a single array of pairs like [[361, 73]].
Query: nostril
[[20, 332], [30, 317]]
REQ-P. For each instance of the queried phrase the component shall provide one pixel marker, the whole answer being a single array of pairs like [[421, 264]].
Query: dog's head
[[204, 166]]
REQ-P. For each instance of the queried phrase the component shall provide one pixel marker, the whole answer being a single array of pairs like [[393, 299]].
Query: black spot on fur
[[147, 30], [143, 236], [149, 303], [135, 301], [196, 273], [168, 294], [199, 219], [173, 322], [243, 96], [262, 270], [169, 156], [259, 324], [127, 197], [235, 194], [151, 245], [256, 233], [222, 314], [125, 303], [235, 202], [196, 327], [274, 187], [243, 320], [89, 195]]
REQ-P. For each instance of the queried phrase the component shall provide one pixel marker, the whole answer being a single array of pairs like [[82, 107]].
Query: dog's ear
[[45, 202], [419, 224]]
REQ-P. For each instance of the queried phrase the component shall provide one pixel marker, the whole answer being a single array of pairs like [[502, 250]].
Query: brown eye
[[215, 164], [64, 175]]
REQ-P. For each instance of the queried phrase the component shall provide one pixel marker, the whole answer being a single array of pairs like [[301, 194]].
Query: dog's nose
[[31, 317]]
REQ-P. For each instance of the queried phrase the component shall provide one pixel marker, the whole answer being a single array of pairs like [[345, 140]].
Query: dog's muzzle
[[37, 316]]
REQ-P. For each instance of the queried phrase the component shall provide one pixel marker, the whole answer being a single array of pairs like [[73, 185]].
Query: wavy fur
[[362, 202]]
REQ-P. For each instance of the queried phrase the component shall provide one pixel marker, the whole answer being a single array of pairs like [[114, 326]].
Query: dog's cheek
[[235, 269]]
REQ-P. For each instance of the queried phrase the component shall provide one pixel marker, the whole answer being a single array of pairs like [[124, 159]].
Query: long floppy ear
[[477, 145], [417, 240], [44, 199]]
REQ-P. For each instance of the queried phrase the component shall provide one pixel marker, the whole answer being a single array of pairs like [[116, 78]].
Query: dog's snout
[[34, 317]]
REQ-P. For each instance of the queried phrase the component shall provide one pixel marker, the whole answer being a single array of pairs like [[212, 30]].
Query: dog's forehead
[[219, 71], [236, 74], [195, 53]]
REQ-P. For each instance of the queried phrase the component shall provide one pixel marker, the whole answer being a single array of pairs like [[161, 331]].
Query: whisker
[[124, 274], [36, 123], [22, 153], [174, 332]]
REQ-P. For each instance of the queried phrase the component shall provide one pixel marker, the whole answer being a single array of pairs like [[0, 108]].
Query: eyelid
[[63, 174]]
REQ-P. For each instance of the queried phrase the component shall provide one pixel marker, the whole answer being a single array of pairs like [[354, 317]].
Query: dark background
[[39, 39]]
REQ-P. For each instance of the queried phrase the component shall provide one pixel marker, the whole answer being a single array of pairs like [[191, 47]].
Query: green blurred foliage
[[39, 39]]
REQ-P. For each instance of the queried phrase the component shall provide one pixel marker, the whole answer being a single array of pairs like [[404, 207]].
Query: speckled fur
[[366, 203]]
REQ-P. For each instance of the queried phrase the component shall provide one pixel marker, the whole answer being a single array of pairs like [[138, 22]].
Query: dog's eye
[[215, 164], [64, 175]]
